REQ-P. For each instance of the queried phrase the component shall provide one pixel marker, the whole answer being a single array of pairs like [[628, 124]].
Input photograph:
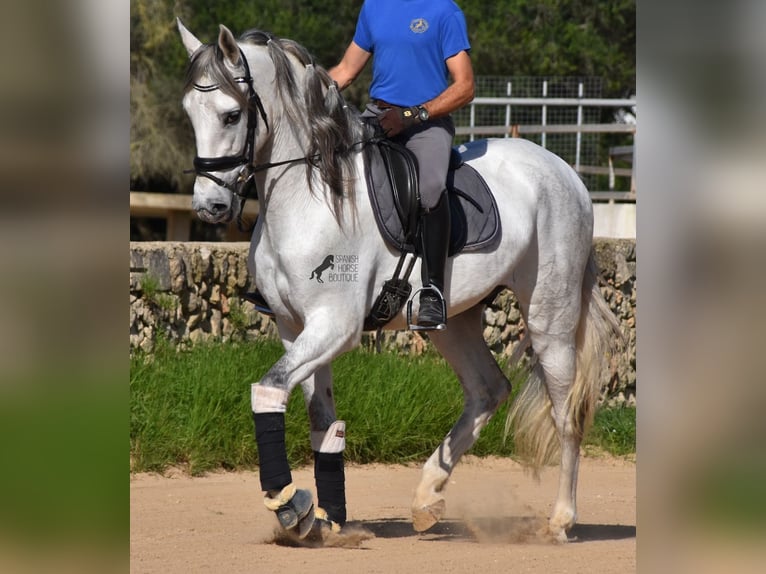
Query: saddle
[[392, 184]]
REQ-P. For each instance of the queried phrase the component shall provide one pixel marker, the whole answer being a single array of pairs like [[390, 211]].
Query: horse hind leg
[[570, 337], [558, 365], [485, 387], [541, 415]]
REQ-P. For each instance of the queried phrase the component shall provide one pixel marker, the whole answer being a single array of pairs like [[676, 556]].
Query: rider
[[421, 73]]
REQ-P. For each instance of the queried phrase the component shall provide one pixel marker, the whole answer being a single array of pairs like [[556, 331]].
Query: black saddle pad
[[473, 210]]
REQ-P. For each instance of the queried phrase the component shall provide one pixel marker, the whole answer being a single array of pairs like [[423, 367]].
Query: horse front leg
[[328, 441], [309, 352]]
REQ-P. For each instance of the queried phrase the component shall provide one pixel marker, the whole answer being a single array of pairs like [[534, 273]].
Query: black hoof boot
[[296, 513]]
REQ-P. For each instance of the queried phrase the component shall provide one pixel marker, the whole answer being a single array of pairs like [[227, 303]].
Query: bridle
[[244, 185]]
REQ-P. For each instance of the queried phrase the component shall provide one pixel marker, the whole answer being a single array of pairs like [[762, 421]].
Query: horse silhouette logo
[[329, 262]]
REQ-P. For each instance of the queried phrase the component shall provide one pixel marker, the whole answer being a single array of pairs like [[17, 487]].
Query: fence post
[[545, 112], [508, 92], [579, 123], [633, 170], [472, 120]]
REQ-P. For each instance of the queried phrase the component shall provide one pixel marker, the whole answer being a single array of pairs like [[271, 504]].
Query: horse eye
[[232, 118]]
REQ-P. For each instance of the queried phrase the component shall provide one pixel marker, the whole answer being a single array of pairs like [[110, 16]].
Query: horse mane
[[316, 108]]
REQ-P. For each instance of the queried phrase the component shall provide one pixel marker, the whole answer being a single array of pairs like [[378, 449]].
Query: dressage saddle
[[392, 185]]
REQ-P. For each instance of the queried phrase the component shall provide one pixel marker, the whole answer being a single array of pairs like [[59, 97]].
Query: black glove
[[395, 120]]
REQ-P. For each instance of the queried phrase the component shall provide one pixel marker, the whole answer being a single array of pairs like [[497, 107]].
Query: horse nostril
[[217, 208]]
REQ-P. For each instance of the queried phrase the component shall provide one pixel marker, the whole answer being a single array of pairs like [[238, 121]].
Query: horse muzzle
[[215, 214], [213, 210]]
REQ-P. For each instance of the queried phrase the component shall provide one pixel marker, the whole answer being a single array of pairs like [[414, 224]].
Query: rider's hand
[[395, 120]]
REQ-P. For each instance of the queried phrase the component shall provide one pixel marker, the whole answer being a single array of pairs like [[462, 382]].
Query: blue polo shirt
[[410, 41]]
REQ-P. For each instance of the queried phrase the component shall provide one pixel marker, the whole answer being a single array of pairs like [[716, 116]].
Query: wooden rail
[[175, 208], [515, 130]]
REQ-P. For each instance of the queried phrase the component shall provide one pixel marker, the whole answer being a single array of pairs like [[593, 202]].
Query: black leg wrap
[[272, 454], [330, 481]]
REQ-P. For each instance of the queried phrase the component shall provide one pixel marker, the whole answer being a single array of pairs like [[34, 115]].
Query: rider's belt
[[384, 105]]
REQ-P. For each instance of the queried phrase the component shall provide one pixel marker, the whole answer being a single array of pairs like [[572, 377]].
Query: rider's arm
[[349, 67], [459, 92]]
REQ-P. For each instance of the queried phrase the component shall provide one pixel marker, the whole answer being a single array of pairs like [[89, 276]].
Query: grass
[[614, 430], [192, 408], [150, 286]]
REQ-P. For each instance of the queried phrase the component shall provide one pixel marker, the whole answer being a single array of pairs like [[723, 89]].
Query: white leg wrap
[[268, 399], [331, 441]]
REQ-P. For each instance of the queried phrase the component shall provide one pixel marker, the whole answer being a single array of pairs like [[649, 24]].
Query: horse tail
[[598, 339]]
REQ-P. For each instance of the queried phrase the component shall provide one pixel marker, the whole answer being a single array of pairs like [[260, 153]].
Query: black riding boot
[[434, 236]]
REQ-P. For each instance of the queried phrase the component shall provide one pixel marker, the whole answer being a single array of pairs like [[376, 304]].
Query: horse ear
[[228, 45], [190, 41]]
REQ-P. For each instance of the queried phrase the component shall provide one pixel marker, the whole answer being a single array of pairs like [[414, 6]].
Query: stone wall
[[192, 292]]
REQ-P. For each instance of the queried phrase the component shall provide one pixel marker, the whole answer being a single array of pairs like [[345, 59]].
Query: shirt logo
[[419, 25]]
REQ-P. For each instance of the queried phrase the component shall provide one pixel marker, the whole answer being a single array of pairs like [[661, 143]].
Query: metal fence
[[565, 115]]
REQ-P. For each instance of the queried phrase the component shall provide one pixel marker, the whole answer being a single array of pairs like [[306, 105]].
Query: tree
[[556, 38], [508, 37]]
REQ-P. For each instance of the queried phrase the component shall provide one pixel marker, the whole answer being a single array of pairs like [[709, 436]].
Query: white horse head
[[224, 108], [257, 102]]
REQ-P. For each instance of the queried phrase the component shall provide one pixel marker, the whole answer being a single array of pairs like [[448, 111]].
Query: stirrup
[[416, 327]]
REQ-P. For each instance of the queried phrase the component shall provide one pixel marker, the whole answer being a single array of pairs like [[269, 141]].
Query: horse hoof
[[558, 536], [324, 522], [425, 517], [560, 523], [555, 533], [306, 523], [297, 514], [323, 529]]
